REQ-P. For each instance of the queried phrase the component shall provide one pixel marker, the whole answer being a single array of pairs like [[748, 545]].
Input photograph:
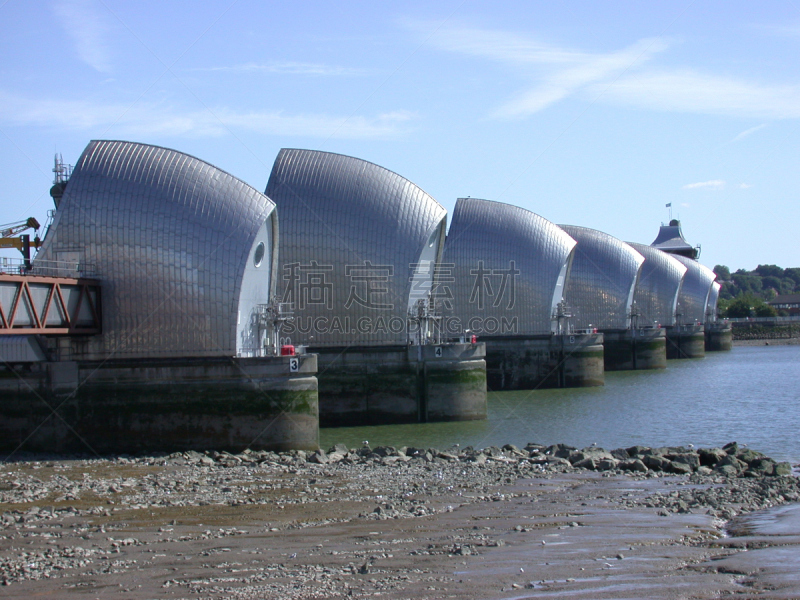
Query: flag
[[669, 205]]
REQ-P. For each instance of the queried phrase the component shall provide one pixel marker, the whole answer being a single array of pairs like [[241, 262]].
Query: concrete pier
[[551, 361], [719, 337], [402, 384], [635, 349], [161, 405], [686, 341]]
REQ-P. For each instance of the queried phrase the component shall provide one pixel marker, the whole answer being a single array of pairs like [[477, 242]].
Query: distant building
[[670, 239], [786, 302]]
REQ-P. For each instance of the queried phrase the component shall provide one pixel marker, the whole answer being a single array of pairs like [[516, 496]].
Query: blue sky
[[587, 113]]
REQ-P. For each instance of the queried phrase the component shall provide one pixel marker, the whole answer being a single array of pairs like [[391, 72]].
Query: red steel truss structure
[[33, 304]]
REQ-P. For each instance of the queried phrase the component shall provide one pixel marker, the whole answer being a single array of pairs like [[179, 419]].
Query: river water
[[750, 395]]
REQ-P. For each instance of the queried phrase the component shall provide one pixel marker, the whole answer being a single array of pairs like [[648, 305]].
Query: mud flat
[[532, 522]]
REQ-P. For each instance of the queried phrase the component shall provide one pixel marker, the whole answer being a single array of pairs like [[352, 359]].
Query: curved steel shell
[[602, 280], [354, 240], [170, 237], [657, 288], [506, 268], [713, 300], [693, 299]]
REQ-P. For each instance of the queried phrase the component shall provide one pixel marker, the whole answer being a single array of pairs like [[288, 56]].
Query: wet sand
[[440, 525]]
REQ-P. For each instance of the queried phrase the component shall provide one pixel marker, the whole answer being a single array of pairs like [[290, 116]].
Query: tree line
[[746, 293]]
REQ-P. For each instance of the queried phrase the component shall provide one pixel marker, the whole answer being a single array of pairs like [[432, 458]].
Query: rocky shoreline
[[73, 525]]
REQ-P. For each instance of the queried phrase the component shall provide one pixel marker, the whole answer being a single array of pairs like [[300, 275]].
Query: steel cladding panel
[[351, 235], [599, 290], [169, 236], [658, 286], [502, 265], [713, 299], [695, 290]]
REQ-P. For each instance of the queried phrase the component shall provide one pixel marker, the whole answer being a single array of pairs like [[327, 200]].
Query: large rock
[[709, 457], [337, 456], [596, 454], [748, 455], [560, 450], [319, 457], [727, 470], [731, 448], [620, 454], [606, 464], [761, 466], [596, 463], [690, 459], [679, 467], [447, 456], [556, 461], [633, 464], [730, 465], [657, 463]]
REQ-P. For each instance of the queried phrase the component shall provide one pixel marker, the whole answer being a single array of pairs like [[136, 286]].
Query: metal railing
[[793, 319], [46, 268]]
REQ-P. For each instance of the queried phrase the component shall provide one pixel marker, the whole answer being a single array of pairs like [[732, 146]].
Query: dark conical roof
[[670, 239]]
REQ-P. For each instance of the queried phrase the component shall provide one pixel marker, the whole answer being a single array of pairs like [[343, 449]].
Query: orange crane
[[10, 237]]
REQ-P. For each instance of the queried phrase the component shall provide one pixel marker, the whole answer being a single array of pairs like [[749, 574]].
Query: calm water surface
[[750, 395]]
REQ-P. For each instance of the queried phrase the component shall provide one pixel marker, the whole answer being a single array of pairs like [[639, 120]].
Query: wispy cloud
[[788, 29], [502, 46], [278, 123], [598, 69], [558, 72], [290, 68], [89, 29], [745, 186], [694, 92], [714, 184], [624, 77], [748, 132], [162, 119]]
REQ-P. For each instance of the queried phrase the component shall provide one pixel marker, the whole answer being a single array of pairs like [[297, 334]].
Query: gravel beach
[[396, 523]]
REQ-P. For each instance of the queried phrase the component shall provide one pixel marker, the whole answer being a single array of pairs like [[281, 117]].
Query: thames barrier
[[172, 306]]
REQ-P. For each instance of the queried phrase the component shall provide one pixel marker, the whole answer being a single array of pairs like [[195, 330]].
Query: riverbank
[[388, 523], [795, 341]]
